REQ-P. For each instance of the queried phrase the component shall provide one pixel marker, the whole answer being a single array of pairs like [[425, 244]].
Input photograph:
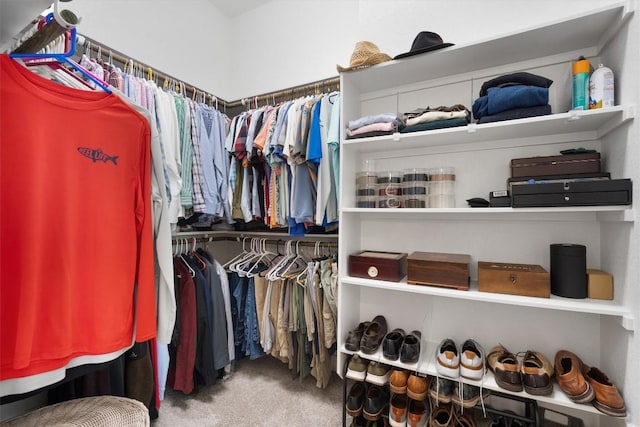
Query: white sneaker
[[471, 360], [448, 359]]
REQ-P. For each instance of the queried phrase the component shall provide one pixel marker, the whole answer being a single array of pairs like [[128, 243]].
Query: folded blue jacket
[[499, 99], [517, 113]]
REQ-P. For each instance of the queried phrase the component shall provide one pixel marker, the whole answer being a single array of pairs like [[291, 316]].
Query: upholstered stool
[[99, 411]]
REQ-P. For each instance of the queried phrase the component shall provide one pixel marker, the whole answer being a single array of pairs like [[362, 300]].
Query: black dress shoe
[[410, 350], [375, 402], [391, 344], [355, 399]]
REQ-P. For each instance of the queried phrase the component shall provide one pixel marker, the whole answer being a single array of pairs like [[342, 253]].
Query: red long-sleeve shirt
[[75, 224]]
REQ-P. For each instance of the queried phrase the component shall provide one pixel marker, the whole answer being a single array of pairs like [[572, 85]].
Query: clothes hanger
[[261, 264], [295, 262], [64, 58], [243, 265], [196, 257], [272, 273], [237, 257], [252, 253], [184, 259]]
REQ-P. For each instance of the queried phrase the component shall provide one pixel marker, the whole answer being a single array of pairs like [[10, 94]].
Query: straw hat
[[365, 54]]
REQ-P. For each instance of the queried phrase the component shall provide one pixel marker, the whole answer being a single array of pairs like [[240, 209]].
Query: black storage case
[[572, 193]]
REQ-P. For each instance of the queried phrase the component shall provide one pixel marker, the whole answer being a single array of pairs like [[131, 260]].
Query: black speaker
[[568, 270]]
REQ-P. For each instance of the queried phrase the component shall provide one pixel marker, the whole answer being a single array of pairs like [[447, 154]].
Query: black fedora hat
[[425, 41]]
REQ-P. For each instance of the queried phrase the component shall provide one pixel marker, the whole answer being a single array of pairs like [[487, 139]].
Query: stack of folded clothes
[[435, 118], [376, 125], [512, 96]]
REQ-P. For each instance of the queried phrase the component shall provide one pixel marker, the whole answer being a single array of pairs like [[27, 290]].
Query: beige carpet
[[259, 393]]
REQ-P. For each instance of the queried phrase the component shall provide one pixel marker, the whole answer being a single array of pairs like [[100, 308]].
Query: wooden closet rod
[[85, 42], [272, 241], [319, 86], [324, 85]]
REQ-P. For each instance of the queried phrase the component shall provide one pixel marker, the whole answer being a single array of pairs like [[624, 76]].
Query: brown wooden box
[[515, 279], [556, 165], [389, 266], [439, 269]]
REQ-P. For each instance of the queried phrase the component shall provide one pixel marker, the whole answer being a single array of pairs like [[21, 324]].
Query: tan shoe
[[398, 381], [568, 370], [608, 400], [537, 372], [464, 420], [504, 366], [441, 416], [417, 387]]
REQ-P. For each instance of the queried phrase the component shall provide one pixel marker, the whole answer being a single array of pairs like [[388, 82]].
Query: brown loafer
[[355, 336], [536, 374], [504, 366], [608, 399], [568, 369], [373, 335]]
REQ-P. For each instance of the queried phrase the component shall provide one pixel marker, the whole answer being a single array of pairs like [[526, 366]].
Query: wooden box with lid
[[514, 279], [439, 269], [391, 266]]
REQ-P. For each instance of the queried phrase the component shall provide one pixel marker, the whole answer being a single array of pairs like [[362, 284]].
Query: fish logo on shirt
[[98, 154]]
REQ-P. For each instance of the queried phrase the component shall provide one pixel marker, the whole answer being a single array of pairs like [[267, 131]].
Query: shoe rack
[[602, 333], [532, 416]]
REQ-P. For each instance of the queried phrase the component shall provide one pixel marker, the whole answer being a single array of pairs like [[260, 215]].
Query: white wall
[[289, 42], [188, 39], [284, 43], [15, 15]]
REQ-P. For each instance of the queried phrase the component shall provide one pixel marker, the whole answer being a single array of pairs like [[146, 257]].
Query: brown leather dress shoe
[[608, 400], [373, 335], [568, 369], [537, 372], [417, 387], [504, 366], [441, 416], [355, 336], [398, 381]]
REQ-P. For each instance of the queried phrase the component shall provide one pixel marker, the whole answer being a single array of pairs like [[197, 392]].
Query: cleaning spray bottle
[[601, 88], [581, 84]]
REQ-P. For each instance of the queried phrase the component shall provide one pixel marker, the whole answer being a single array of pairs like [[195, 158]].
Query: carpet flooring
[[259, 392]]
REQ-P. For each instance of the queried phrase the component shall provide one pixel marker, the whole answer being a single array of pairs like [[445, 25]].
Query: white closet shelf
[[592, 306], [586, 33], [573, 213], [426, 365], [585, 125]]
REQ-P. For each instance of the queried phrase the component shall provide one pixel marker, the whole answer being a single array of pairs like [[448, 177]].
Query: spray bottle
[[601, 88], [581, 84]]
